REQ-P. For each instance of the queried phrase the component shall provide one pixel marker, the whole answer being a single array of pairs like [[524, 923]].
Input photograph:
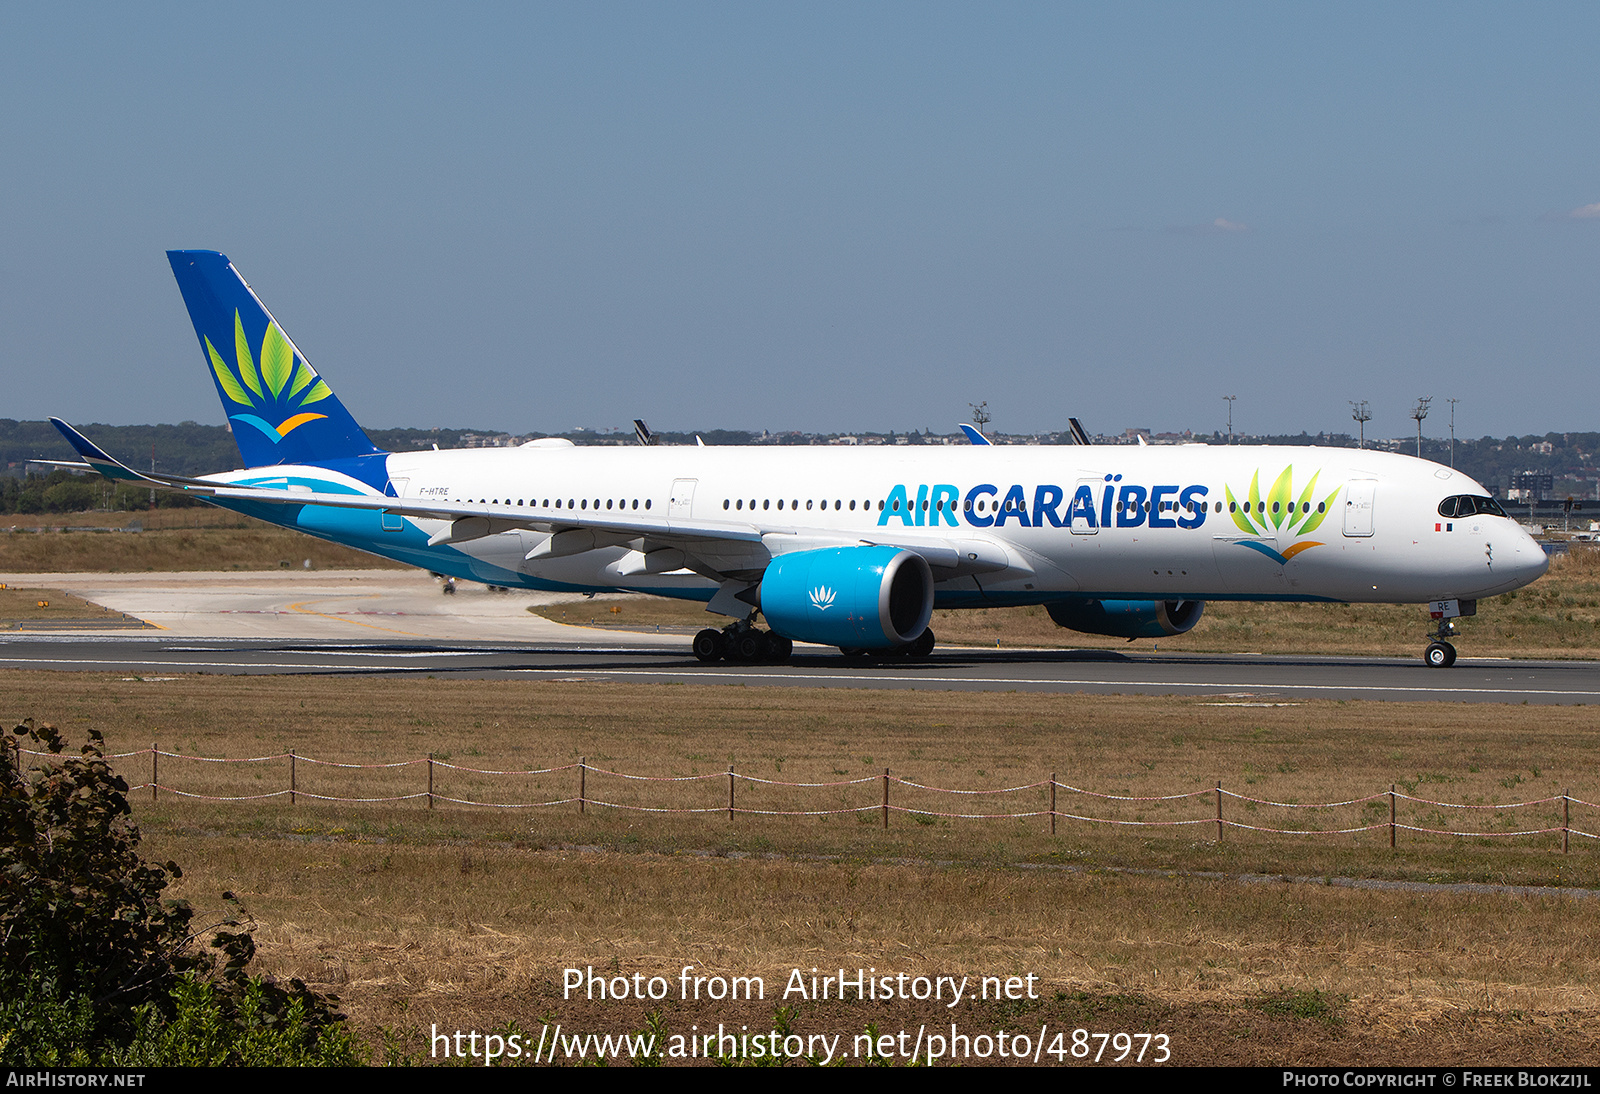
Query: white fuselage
[[1194, 522]]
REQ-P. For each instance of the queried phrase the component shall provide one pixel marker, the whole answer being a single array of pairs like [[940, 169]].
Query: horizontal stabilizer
[[95, 457]]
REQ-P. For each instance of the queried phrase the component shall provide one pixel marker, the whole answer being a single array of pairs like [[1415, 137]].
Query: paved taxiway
[[392, 621]]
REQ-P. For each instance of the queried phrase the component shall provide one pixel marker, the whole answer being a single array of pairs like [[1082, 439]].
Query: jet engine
[[856, 597], [1127, 618]]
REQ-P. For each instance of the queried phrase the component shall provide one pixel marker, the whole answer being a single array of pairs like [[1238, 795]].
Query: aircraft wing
[[722, 548]]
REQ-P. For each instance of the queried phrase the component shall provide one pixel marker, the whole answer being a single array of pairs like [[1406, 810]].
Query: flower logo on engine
[[822, 598]]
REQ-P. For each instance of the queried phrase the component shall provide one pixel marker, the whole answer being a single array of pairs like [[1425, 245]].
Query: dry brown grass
[[472, 937], [31, 607], [465, 917], [259, 547], [192, 517], [1142, 746]]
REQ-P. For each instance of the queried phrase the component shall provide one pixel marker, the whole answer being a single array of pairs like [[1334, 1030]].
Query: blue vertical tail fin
[[280, 410]]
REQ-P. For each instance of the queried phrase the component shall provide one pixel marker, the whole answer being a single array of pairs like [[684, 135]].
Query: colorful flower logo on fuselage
[[1279, 513], [275, 394]]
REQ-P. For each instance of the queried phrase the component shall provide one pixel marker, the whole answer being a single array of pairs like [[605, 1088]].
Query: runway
[[395, 622]]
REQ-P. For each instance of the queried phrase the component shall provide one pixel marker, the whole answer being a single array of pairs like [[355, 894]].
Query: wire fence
[[434, 781]]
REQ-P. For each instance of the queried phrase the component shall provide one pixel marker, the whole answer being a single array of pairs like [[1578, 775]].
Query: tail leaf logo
[[1280, 513], [275, 394]]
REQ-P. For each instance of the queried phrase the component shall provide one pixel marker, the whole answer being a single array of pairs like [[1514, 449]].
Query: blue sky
[[818, 217]]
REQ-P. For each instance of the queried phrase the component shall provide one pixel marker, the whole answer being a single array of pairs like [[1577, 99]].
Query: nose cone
[[1528, 562]]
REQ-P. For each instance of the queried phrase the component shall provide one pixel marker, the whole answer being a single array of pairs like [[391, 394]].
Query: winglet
[[92, 454], [973, 435]]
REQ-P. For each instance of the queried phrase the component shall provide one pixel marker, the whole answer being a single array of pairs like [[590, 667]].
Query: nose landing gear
[[1440, 654]]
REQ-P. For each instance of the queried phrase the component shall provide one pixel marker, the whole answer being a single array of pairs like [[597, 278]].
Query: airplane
[[849, 547]]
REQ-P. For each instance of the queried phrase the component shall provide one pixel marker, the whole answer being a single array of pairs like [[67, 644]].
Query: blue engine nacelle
[[869, 598], [1127, 618]]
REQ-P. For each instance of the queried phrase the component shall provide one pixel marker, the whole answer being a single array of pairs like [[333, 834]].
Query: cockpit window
[[1467, 505]]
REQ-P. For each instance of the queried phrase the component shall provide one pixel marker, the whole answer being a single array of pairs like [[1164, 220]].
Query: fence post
[[1566, 819], [1219, 810], [1052, 803], [583, 771], [886, 799], [155, 757], [291, 776], [430, 780], [1391, 816], [730, 791]]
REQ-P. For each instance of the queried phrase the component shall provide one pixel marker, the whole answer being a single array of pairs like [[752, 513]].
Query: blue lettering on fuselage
[[1120, 504]]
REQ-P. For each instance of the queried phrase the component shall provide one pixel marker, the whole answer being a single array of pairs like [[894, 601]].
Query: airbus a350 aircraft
[[848, 547]]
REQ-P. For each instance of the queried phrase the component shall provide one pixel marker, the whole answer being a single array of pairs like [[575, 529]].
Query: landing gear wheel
[[922, 646], [708, 645], [781, 649], [1440, 655], [745, 647]]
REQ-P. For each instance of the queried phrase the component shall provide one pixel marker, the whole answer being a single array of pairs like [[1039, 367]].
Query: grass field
[[31, 606], [172, 540], [465, 917]]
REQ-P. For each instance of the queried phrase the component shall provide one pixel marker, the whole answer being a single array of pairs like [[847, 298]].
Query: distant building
[[1531, 486]]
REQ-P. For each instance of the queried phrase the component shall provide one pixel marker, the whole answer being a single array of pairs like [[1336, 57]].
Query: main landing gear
[[915, 651], [744, 643]]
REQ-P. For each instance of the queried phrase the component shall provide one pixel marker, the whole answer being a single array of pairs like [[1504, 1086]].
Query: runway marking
[[319, 662], [369, 596], [1059, 682]]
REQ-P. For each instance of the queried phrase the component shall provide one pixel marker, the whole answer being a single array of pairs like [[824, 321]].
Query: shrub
[[96, 967]]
